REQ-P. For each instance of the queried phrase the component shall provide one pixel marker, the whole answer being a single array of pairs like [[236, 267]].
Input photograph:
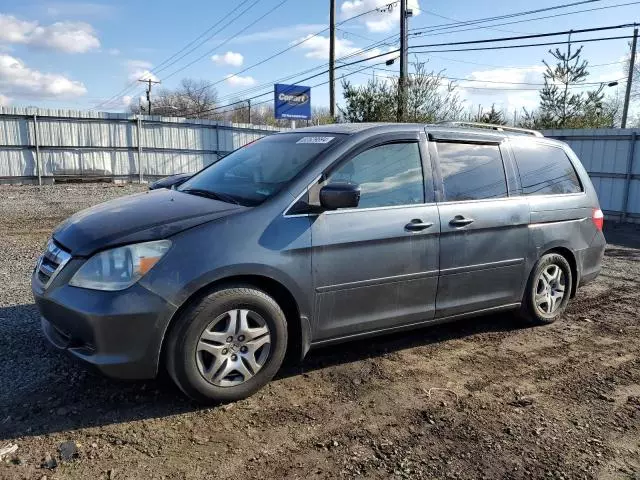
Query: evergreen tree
[[493, 116], [561, 105], [429, 99]]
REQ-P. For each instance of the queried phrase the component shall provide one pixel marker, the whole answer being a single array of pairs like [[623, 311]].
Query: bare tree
[[635, 78], [191, 99]]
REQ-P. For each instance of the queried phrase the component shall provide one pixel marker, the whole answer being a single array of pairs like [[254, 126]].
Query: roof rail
[[491, 126]]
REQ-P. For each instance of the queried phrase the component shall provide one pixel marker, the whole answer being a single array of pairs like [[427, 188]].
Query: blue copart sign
[[292, 101]]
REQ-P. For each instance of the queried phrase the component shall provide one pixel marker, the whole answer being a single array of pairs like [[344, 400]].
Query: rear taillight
[[598, 218]]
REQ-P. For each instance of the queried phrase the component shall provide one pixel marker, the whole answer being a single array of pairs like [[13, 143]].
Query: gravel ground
[[480, 398]]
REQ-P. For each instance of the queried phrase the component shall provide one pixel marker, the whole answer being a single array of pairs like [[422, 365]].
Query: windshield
[[259, 170]]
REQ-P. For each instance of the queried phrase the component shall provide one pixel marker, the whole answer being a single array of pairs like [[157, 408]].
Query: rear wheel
[[228, 346], [548, 290]]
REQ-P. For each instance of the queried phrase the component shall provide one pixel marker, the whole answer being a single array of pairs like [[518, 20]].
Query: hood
[[142, 217]]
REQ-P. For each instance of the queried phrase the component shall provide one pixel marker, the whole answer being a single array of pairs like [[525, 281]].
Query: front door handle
[[460, 221], [416, 225]]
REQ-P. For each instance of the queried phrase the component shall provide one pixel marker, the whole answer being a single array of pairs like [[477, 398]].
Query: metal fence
[[612, 158], [43, 145], [47, 144]]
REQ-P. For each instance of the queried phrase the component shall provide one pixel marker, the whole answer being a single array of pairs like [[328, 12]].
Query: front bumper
[[119, 333]]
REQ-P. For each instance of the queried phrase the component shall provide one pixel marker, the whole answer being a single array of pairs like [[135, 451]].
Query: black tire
[[529, 311], [185, 334]]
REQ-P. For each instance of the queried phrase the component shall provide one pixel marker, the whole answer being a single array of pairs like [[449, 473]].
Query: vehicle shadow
[[44, 391], [622, 234]]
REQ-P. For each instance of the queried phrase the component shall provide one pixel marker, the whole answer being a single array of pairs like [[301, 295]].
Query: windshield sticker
[[315, 139]]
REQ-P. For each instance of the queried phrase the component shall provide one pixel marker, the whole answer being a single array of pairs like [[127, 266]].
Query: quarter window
[[545, 170], [388, 175], [471, 171]]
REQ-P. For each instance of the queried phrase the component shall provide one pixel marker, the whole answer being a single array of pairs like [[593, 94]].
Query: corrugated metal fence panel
[[17, 162], [601, 150], [88, 162], [82, 133], [106, 144], [610, 192], [178, 136], [606, 155], [166, 163], [14, 131]]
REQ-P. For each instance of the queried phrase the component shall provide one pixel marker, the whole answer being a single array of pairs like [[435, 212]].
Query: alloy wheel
[[550, 290], [233, 348]]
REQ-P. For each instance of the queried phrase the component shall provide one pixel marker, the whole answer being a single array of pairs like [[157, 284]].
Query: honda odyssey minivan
[[316, 236]]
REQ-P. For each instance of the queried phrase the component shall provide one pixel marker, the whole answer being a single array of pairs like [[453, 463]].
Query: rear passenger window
[[387, 175], [471, 171], [545, 170]]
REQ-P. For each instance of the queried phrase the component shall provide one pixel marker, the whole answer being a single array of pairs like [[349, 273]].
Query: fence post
[[627, 176], [37, 145], [217, 140], [139, 138]]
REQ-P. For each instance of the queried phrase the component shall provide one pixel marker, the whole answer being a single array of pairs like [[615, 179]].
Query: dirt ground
[[481, 398]]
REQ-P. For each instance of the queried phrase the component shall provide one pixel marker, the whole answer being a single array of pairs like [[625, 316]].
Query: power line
[[457, 79], [384, 40], [269, 83], [461, 21], [502, 47], [220, 44], [301, 42], [156, 69], [312, 86], [418, 32], [227, 40], [514, 67], [524, 37], [300, 81], [509, 15]]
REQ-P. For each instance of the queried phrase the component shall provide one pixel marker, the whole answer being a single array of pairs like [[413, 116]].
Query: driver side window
[[388, 175]]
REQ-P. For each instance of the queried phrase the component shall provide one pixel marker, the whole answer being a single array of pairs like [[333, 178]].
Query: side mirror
[[339, 195]]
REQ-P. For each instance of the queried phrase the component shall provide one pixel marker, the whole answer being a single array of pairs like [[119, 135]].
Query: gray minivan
[[315, 236]]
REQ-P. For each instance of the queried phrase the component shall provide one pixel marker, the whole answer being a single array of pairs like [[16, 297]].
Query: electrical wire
[[158, 68], [469, 87], [524, 37], [508, 15], [514, 67], [502, 47], [300, 42], [300, 81], [312, 86], [416, 32], [242, 30]]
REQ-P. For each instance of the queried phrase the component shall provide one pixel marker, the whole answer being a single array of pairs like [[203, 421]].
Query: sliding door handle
[[460, 221], [417, 225]]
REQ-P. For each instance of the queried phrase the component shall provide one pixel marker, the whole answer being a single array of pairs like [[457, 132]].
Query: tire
[[541, 304], [198, 345]]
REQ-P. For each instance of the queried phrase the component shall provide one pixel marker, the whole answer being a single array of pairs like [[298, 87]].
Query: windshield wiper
[[213, 195]]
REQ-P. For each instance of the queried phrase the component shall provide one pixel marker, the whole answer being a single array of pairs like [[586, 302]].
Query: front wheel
[[548, 290], [228, 345]]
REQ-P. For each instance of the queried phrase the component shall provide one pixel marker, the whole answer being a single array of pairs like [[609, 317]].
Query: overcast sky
[[80, 55]]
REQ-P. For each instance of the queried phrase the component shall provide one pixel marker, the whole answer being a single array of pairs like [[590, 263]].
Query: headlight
[[121, 267]]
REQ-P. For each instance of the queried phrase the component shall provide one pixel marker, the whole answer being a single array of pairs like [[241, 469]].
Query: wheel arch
[[298, 325]]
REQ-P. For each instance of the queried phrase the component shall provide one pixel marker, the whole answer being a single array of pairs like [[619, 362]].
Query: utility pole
[[149, 81], [627, 95], [332, 59], [249, 105], [404, 59]]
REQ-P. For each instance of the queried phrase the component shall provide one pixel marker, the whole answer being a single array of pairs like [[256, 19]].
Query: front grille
[[51, 263]]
